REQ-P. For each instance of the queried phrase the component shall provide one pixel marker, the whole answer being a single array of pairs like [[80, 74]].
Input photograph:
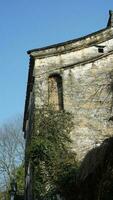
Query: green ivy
[[50, 152]]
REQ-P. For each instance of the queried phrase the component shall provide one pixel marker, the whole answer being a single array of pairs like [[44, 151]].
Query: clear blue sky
[[27, 24]]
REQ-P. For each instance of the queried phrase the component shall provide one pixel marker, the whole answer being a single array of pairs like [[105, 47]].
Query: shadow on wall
[[95, 176], [93, 180]]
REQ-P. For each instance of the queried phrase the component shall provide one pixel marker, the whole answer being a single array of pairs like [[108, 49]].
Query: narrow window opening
[[55, 90]]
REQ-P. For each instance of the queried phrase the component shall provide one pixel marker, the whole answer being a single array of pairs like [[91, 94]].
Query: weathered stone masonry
[[84, 68]]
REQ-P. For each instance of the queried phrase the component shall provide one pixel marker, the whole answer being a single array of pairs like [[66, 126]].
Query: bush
[[50, 152]]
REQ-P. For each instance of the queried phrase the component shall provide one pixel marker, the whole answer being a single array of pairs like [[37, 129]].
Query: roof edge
[[58, 45], [66, 42]]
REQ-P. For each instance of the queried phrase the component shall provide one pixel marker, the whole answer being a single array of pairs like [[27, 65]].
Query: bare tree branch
[[11, 150]]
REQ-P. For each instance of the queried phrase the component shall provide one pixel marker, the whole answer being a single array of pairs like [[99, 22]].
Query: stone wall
[[88, 93], [87, 77]]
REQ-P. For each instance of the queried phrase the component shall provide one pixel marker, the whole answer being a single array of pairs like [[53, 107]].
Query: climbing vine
[[50, 151]]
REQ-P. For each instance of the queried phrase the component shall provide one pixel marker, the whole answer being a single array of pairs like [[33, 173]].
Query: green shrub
[[50, 152]]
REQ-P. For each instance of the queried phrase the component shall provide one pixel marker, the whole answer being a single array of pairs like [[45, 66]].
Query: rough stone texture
[[88, 94], [87, 85], [87, 77], [85, 66]]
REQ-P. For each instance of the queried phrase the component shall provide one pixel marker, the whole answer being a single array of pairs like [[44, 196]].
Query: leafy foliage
[[50, 151], [20, 178], [54, 164]]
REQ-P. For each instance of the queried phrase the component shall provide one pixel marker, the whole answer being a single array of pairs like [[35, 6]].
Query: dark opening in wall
[[55, 90], [100, 49]]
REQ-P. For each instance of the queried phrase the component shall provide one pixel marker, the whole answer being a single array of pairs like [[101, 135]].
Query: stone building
[[76, 76]]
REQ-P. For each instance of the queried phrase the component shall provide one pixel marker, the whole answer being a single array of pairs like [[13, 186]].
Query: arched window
[[55, 91]]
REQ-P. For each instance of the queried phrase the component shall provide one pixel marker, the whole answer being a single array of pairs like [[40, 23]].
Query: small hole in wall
[[111, 118], [111, 87], [100, 49]]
